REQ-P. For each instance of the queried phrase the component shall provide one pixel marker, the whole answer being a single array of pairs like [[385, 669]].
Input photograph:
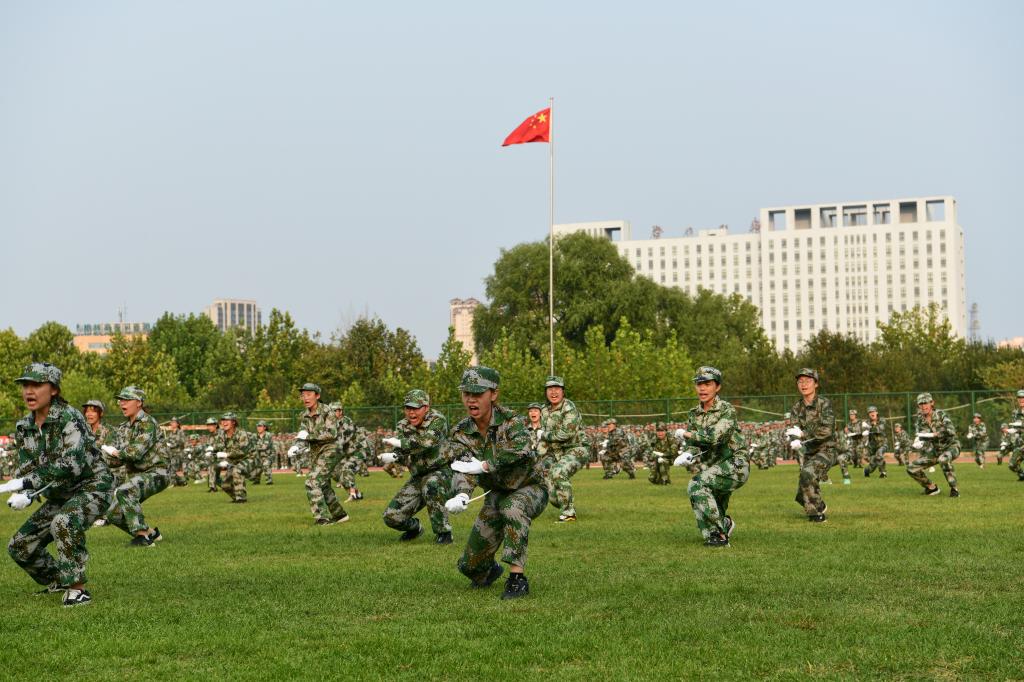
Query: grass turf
[[895, 586]]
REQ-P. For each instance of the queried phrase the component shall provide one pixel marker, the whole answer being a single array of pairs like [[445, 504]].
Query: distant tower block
[[461, 312], [975, 325]]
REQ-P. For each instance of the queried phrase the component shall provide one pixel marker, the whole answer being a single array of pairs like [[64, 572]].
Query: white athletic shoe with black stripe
[[76, 598]]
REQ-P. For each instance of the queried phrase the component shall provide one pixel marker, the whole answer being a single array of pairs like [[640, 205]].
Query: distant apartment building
[[841, 266], [95, 337], [228, 313], [460, 317]]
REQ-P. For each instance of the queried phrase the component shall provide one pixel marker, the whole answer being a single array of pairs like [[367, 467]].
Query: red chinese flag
[[536, 128]]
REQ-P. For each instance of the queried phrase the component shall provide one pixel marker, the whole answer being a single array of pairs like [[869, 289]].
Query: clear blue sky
[[332, 158]]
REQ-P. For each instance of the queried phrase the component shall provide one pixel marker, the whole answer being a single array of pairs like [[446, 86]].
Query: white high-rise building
[[839, 266], [460, 316], [228, 313]]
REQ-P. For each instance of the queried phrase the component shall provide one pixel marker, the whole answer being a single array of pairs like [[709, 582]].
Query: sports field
[[895, 586]]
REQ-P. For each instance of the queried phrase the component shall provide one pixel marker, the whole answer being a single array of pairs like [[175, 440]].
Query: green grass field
[[895, 586]]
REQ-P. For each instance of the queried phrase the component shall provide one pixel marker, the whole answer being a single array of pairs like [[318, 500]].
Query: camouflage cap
[[98, 404], [923, 398], [229, 416], [534, 406], [1020, 393], [554, 381], [417, 398], [310, 386], [660, 426], [132, 393], [40, 373], [977, 415], [176, 419], [708, 374], [808, 372], [1004, 425], [211, 421], [853, 411], [336, 406], [262, 422], [611, 420], [479, 379], [897, 425], [872, 408]]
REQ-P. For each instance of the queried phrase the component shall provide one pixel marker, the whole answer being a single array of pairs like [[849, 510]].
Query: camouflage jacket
[[421, 448], [104, 435], [942, 426], [174, 442], [264, 444], [322, 426], [876, 435], [563, 429], [618, 443], [348, 437], [854, 431], [818, 423], [138, 444], [901, 442], [512, 463], [62, 452], [977, 434], [715, 432], [666, 446], [240, 446]]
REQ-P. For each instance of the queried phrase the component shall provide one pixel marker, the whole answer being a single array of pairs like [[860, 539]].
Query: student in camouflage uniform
[[813, 435], [419, 444], [533, 425], [978, 435], [713, 431], [56, 455], [320, 431], [901, 444], [561, 442], [193, 459], [103, 434], [137, 447], [492, 444], [174, 449], [935, 443], [843, 455], [663, 452], [265, 451], [618, 452], [349, 444], [854, 430], [209, 458], [876, 443], [1013, 445], [233, 449]]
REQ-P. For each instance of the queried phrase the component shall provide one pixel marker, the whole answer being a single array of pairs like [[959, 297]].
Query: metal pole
[[551, 231]]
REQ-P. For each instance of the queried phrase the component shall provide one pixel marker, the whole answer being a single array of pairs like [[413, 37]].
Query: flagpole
[[551, 230]]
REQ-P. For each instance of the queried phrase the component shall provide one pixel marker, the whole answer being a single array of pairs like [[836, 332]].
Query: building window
[[828, 216], [935, 211], [855, 215]]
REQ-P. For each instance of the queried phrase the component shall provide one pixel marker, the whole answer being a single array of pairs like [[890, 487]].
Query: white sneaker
[[99, 522]]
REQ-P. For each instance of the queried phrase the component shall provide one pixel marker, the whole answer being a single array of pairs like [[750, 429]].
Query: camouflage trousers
[[979, 454], [660, 471], [323, 503], [394, 470], [175, 467], [504, 519], [876, 461], [900, 459], [1016, 462], [129, 496], [345, 472], [559, 486], [212, 473], [710, 491], [63, 523], [917, 469], [843, 459], [614, 464], [193, 468], [430, 490], [232, 481], [814, 469]]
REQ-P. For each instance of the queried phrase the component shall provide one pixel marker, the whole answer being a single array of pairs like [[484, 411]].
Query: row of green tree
[[619, 336]]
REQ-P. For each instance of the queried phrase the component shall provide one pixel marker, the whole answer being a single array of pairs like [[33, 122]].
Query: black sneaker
[[716, 539], [77, 598], [52, 588], [154, 535], [883, 475], [243, 501], [492, 575], [359, 495], [817, 518], [443, 539], [270, 483], [730, 526], [954, 492], [412, 533], [867, 472], [140, 541], [516, 586], [933, 490]]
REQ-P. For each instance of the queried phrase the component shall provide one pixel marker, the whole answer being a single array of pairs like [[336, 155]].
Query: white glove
[[659, 454], [109, 449], [392, 442], [473, 466], [926, 434], [604, 443], [1016, 425], [864, 433], [293, 450], [209, 449], [13, 485], [662, 460], [600, 453], [387, 457], [970, 436], [680, 434], [302, 435], [19, 501], [540, 434], [795, 444], [223, 464], [457, 504], [222, 455], [795, 431], [1011, 430], [917, 444], [1002, 445], [684, 460]]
